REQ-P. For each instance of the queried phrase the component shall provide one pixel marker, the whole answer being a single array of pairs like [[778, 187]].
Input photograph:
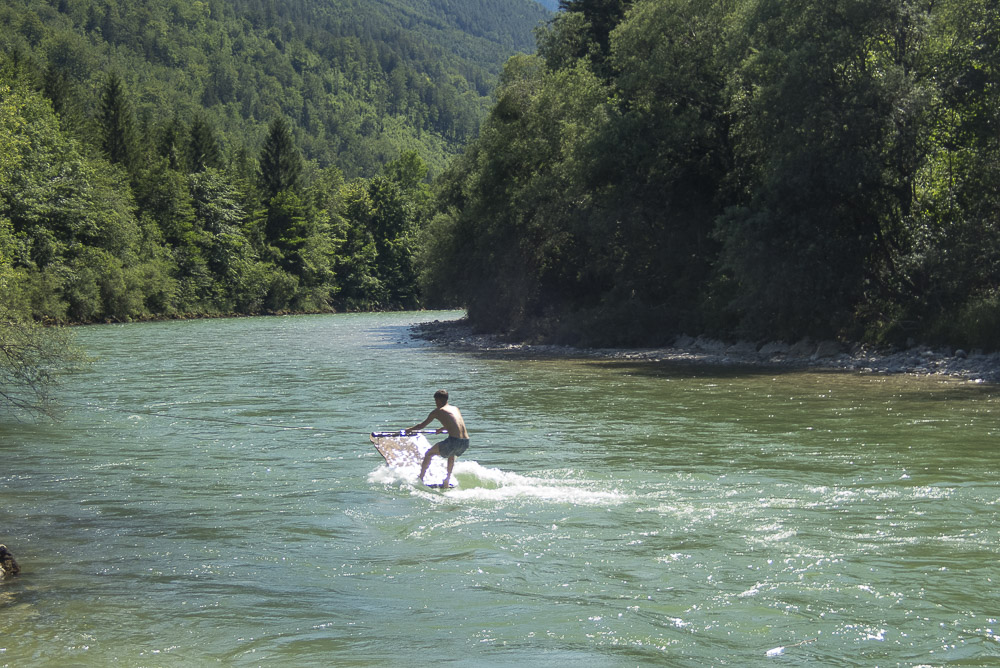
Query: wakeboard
[[405, 453]]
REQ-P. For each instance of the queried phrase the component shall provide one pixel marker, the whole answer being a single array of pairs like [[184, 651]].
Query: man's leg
[[427, 460], [451, 465]]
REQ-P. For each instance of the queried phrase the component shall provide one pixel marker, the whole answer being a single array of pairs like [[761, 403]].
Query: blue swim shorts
[[452, 446]]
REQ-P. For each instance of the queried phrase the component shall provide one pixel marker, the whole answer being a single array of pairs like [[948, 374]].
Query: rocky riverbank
[[974, 366]]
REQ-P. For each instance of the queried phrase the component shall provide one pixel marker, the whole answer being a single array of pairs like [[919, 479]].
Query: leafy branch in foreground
[[32, 357]]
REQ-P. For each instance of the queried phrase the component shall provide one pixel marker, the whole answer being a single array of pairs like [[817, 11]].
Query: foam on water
[[475, 482]]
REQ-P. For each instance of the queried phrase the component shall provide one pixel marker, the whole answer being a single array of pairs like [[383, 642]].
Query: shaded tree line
[[748, 168]]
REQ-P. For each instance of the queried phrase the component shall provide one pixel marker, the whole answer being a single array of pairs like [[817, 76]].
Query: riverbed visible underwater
[[209, 496]]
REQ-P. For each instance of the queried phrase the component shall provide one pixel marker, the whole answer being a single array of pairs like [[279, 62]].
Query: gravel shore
[[973, 366]]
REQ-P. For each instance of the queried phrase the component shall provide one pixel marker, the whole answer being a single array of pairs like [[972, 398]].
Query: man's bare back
[[451, 420]]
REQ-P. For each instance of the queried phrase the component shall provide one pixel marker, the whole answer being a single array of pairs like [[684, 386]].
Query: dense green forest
[[172, 158], [745, 168], [359, 80]]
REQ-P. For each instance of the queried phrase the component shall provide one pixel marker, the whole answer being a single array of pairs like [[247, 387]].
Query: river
[[209, 496]]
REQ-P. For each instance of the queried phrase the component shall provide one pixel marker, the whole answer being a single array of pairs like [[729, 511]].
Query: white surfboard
[[406, 453]]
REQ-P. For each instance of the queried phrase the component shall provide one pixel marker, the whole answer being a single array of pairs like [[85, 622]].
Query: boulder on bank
[[746, 348], [707, 345], [804, 348], [826, 349], [8, 566], [775, 349]]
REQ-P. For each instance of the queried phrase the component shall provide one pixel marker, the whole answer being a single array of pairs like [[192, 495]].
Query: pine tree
[[117, 123], [170, 145], [280, 160], [58, 87], [203, 147]]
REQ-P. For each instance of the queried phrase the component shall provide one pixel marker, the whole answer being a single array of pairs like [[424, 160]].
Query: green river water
[[209, 496]]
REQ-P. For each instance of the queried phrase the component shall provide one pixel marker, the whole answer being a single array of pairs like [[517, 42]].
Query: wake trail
[[476, 482]]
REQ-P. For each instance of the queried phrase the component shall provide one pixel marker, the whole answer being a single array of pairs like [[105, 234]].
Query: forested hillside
[[167, 158], [755, 168], [360, 80]]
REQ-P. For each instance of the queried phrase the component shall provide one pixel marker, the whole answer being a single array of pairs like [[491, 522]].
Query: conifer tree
[[117, 123], [57, 86], [170, 144], [280, 160], [203, 147]]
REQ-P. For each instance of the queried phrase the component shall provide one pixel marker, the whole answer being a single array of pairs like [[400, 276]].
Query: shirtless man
[[458, 438]]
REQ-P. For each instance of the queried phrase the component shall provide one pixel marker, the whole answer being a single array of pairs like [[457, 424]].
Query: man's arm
[[418, 427]]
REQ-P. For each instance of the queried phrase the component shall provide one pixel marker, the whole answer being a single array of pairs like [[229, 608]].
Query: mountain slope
[[361, 81]]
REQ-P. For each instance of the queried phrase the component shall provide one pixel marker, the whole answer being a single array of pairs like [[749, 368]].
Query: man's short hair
[[441, 395]]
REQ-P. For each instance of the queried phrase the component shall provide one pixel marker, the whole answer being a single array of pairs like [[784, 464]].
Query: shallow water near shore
[[210, 496]]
